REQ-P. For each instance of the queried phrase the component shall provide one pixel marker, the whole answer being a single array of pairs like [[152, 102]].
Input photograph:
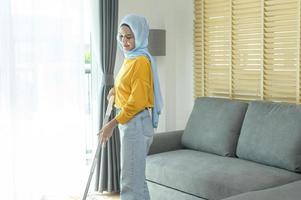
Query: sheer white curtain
[[42, 116]]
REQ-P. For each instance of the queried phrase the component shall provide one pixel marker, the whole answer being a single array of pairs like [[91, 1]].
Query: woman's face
[[126, 37]]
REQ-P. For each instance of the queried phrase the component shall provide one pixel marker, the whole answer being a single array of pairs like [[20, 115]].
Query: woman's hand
[[106, 132], [111, 93]]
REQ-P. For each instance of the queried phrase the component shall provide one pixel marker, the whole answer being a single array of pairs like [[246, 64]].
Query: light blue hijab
[[140, 28]]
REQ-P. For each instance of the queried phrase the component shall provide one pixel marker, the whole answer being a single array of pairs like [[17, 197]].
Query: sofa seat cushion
[[214, 125], [271, 134], [290, 191], [211, 176], [162, 192]]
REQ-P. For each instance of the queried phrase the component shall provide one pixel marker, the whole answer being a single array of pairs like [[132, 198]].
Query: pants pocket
[[129, 129], [147, 126]]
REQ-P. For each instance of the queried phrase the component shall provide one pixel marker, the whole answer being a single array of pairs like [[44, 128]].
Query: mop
[[99, 146]]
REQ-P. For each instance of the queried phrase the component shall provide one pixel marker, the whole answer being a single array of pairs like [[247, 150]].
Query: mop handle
[[99, 146]]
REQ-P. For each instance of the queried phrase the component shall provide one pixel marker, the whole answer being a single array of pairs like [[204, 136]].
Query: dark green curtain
[[108, 167]]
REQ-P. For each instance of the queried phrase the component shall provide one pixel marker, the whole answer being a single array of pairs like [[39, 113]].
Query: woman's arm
[[111, 93], [106, 132]]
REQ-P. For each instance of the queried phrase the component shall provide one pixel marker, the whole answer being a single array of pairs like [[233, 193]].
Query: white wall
[[175, 69]]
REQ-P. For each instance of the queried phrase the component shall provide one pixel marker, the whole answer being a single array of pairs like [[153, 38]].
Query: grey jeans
[[136, 137]]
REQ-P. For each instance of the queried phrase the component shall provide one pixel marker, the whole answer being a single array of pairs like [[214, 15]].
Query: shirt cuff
[[121, 118]]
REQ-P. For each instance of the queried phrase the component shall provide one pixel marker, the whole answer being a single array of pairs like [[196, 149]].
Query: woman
[[136, 90]]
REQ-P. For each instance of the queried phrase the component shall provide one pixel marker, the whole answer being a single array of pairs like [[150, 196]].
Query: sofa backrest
[[214, 125], [271, 134]]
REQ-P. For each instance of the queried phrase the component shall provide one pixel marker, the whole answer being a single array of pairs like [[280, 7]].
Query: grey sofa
[[229, 150]]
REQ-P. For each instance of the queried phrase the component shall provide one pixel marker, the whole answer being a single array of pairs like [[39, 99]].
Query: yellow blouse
[[133, 88]]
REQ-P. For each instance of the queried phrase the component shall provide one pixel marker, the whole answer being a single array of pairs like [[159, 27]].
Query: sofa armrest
[[166, 141]]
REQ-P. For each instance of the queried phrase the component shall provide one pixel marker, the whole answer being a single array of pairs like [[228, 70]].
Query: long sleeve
[[134, 89]]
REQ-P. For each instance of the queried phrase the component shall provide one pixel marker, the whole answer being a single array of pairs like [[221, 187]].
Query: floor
[[95, 196], [104, 196]]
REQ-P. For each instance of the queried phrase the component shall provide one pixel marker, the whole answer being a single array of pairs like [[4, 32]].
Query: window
[[89, 136], [247, 49]]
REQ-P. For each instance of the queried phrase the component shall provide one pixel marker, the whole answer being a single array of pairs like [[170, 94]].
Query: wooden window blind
[[198, 49], [217, 47], [247, 49]]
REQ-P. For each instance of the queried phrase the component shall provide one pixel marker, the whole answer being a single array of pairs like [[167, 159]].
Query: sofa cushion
[[162, 192], [271, 134], [290, 191], [210, 176], [214, 125]]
